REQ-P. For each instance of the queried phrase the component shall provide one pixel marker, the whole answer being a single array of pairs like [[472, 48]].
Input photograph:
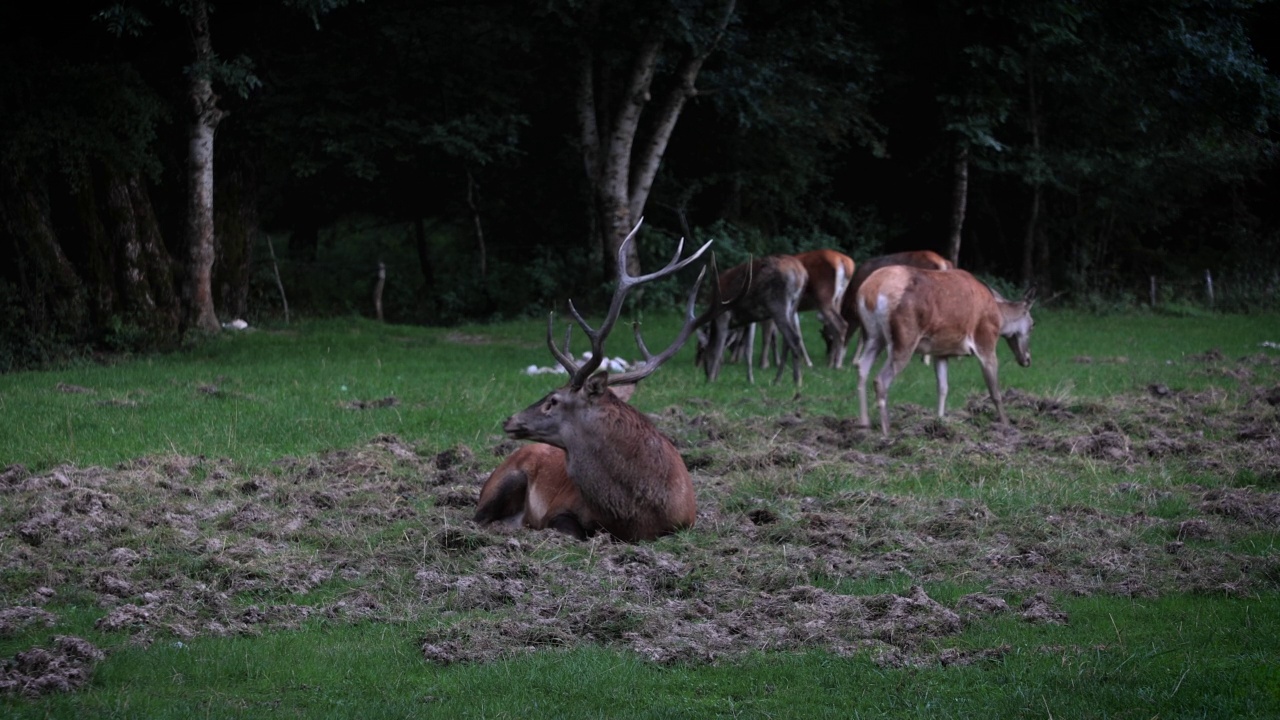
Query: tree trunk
[[620, 174], [235, 226], [158, 264], [1033, 121], [424, 254], [474, 205], [97, 264], [144, 269], [53, 294], [959, 202], [198, 289]]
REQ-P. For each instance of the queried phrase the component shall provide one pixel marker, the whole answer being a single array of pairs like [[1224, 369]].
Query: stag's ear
[[596, 385], [1029, 297], [623, 392]]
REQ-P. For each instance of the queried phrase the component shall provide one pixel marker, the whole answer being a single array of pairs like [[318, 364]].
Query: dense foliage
[[1114, 151]]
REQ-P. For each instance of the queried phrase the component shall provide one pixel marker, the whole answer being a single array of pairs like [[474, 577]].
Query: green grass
[[258, 396], [1120, 659]]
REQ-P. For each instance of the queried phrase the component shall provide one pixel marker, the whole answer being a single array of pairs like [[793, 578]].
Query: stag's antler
[[652, 362], [580, 373]]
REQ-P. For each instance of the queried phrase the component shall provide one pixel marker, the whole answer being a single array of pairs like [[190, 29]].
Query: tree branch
[[645, 168]]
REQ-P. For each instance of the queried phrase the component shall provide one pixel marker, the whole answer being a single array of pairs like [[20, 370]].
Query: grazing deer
[[768, 288], [829, 274], [947, 314], [924, 259], [630, 479]]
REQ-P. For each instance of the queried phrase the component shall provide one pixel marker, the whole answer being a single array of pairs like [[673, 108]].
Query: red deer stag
[[532, 488], [906, 310], [829, 274], [629, 478], [768, 288], [924, 259]]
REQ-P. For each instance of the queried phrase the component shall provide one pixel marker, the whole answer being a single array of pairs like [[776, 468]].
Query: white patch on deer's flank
[[842, 283]]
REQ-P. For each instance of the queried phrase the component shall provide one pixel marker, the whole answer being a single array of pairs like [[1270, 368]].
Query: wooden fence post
[[377, 289], [276, 267]]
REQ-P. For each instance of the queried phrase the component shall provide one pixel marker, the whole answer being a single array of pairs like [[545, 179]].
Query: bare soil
[[796, 514]]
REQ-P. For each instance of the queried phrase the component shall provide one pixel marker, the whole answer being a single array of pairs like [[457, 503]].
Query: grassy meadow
[[249, 405], [257, 395]]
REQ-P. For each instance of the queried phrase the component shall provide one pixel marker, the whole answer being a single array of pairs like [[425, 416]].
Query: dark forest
[[167, 166]]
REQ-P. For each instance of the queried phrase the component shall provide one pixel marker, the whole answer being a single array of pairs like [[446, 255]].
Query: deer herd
[[598, 464]]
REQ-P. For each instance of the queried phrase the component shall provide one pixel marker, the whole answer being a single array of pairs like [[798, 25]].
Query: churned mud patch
[[40, 671], [812, 533]]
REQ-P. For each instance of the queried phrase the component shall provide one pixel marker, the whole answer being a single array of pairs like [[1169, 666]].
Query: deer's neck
[[623, 465]]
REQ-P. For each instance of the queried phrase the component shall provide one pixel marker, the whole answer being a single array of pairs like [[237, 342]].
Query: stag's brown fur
[[906, 310], [532, 488], [630, 478]]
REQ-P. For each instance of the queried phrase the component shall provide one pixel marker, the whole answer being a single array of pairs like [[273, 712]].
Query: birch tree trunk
[[198, 289], [959, 202], [621, 174]]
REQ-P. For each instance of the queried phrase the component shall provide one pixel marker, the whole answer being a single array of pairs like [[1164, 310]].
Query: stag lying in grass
[[531, 488], [768, 288], [629, 479], [923, 259], [944, 313]]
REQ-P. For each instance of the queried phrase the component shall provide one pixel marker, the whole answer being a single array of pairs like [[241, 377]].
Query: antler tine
[[692, 321], [562, 356], [625, 283]]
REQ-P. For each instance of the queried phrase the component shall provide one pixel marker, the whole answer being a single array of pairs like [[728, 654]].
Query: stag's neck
[[625, 467]]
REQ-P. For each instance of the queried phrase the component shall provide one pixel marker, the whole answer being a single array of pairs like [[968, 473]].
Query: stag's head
[[1016, 325], [589, 395]]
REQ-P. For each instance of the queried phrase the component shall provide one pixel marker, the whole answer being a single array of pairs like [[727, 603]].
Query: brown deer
[[531, 488], [767, 288], [829, 274], [630, 479], [924, 259], [944, 313]]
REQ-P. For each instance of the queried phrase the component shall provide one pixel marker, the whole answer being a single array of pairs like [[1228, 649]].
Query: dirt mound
[[39, 671]]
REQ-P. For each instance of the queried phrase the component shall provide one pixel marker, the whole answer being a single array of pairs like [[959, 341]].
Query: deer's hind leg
[[791, 346], [898, 355], [502, 499], [940, 370]]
